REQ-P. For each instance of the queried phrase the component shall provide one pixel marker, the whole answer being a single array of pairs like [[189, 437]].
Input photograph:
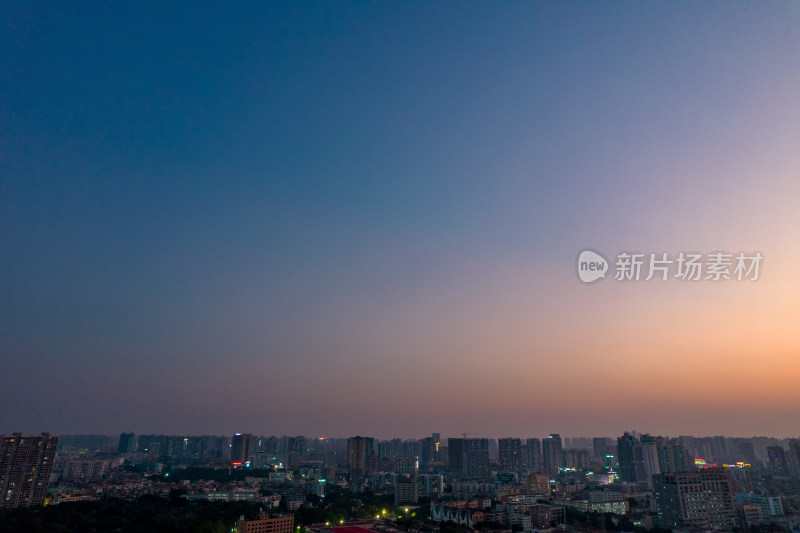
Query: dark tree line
[[149, 514]]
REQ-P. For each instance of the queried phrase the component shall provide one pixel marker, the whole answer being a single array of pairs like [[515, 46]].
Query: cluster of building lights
[[740, 464]]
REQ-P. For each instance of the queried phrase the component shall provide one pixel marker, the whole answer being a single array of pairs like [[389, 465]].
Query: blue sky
[[300, 212]]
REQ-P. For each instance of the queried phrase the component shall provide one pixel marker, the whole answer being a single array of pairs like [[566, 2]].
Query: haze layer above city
[[338, 219]]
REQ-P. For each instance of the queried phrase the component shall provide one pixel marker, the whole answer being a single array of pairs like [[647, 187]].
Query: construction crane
[[469, 433]]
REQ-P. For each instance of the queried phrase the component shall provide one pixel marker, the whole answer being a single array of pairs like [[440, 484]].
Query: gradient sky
[[363, 218]]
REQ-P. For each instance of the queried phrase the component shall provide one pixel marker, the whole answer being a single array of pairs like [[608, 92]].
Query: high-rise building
[[793, 457], [395, 447], [194, 449], [552, 452], [534, 452], [477, 458], [384, 450], [429, 450], [719, 450], [645, 455], [213, 446], [84, 469], [241, 448], [510, 455], [151, 444], [25, 465], [625, 457], [127, 443], [747, 452], [673, 457], [457, 455], [406, 491], [408, 466], [359, 450], [600, 447], [176, 448], [577, 459], [407, 447], [702, 499], [430, 485], [740, 478], [777, 460], [437, 444], [426, 452]]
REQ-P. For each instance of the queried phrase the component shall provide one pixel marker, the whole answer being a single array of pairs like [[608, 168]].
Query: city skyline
[[444, 437], [365, 219], [310, 484]]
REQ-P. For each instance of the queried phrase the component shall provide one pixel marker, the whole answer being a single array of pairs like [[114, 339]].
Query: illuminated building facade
[[25, 465], [266, 524], [702, 499], [510, 454], [241, 449]]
